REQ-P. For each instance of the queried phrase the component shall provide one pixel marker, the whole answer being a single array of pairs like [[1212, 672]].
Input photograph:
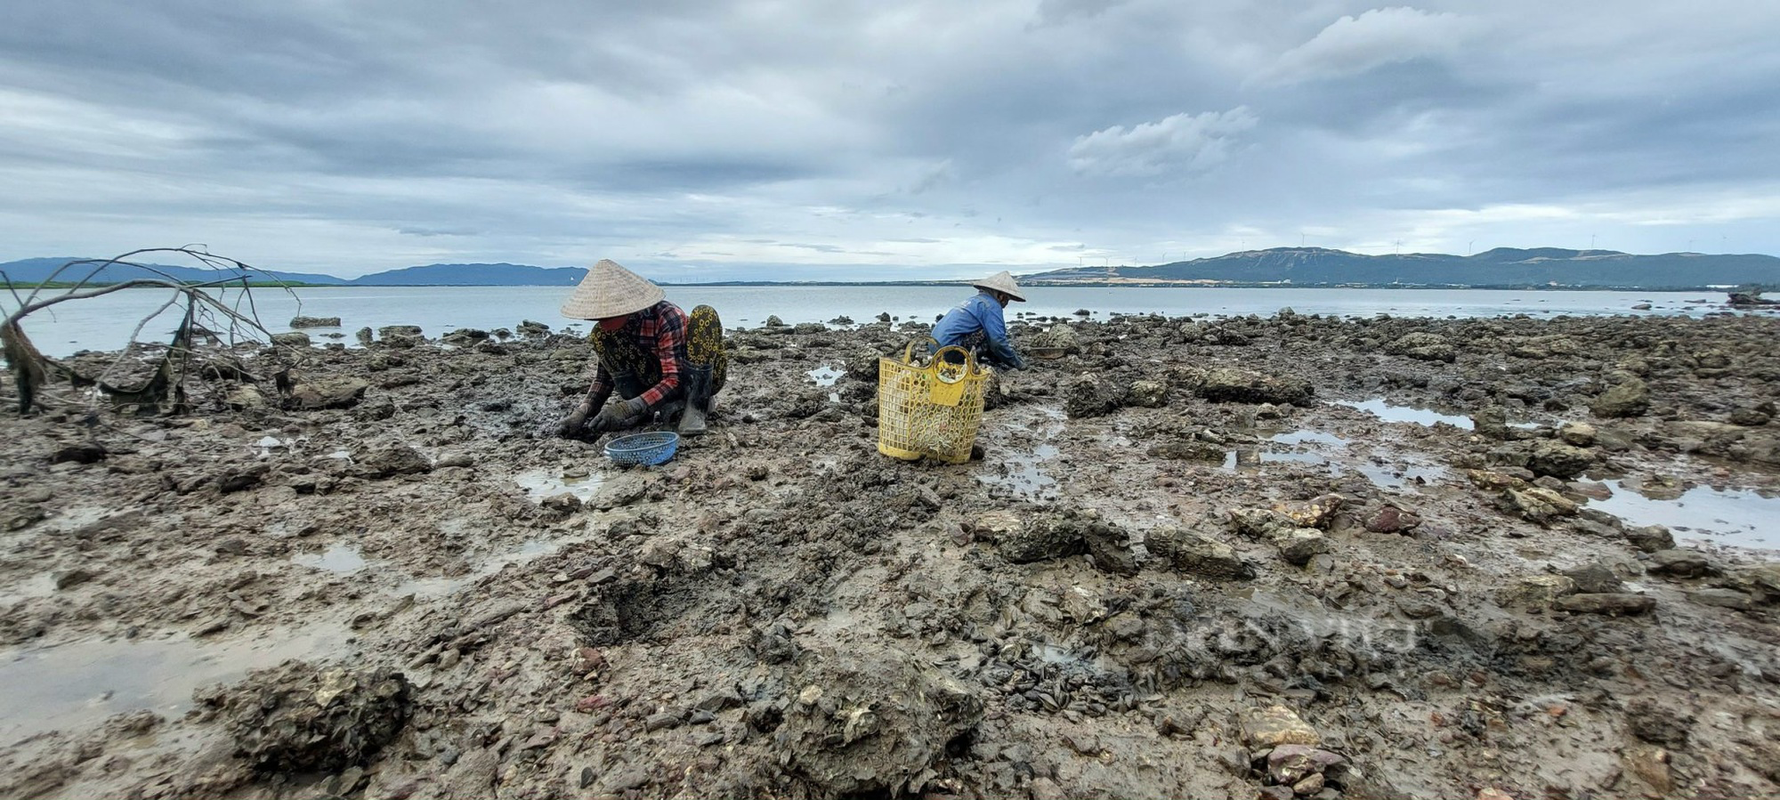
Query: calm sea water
[[105, 323]]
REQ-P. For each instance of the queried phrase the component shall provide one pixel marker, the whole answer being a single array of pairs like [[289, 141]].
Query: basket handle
[[908, 352], [970, 364]]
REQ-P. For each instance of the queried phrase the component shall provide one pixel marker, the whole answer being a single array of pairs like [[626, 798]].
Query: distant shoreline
[[1125, 284]]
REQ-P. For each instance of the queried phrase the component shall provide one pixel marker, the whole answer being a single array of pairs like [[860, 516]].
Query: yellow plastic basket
[[929, 408]]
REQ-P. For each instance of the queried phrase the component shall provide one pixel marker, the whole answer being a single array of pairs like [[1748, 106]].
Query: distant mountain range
[[35, 270], [1503, 267]]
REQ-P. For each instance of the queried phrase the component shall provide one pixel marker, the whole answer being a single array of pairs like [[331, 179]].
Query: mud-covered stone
[[1723, 598], [870, 720], [1658, 723], [328, 393], [1290, 763], [1558, 459], [1607, 603], [1594, 578], [1425, 346], [291, 339], [1650, 538], [1579, 434], [1148, 394], [1680, 564], [394, 460], [1232, 385], [1538, 504], [1194, 554], [1302, 545], [1536, 591], [1628, 399], [1090, 395], [1188, 450], [300, 718]]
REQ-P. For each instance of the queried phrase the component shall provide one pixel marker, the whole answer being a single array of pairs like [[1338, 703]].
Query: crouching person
[[664, 364]]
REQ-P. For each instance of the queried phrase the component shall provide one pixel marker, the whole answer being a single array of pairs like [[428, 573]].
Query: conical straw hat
[[610, 290], [1002, 282]]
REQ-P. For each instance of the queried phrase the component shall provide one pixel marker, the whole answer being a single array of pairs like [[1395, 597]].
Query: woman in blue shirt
[[977, 325]]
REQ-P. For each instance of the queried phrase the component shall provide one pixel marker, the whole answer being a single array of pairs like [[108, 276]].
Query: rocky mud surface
[[1293, 556]]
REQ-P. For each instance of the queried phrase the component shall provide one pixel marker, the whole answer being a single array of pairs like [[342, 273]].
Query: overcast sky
[[883, 139]]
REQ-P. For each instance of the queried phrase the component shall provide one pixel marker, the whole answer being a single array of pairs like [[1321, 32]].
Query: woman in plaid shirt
[[659, 359]]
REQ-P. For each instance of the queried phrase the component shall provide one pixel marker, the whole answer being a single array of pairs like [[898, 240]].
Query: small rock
[[1301, 545], [1723, 598], [1650, 538], [1650, 765], [1628, 399], [328, 393], [564, 503], [1680, 563], [1314, 513], [1609, 603], [73, 578], [1291, 763], [1275, 793], [1274, 726], [1047, 789], [294, 339], [626, 779], [1391, 519], [1311, 784], [1594, 578], [1580, 434], [1148, 394], [1658, 723], [84, 453], [1492, 793]]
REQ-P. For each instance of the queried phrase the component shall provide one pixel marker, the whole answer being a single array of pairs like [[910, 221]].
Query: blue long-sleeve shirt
[[976, 324]]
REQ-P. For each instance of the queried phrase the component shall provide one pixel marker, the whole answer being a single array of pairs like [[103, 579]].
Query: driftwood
[[205, 316]]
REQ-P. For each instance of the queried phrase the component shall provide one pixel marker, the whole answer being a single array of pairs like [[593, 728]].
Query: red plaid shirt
[[660, 328]]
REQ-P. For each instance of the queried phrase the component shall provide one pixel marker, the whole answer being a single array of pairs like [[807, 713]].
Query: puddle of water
[[1024, 476], [339, 558], [39, 585], [1420, 416], [1392, 477], [1740, 518], [1254, 457], [440, 586], [539, 484], [83, 683], [1308, 437], [826, 375]]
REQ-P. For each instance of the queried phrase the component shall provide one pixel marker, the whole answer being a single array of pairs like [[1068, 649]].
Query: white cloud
[[1352, 45], [1180, 143]]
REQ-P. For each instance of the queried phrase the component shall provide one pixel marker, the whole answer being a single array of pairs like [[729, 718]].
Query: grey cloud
[[1380, 36], [1019, 132], [1178, 143]]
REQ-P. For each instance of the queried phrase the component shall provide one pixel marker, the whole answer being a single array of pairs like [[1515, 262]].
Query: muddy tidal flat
[[1293, 556]]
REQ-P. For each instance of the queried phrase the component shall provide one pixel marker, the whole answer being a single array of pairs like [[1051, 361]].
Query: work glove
[[571, 425], [618, 416]]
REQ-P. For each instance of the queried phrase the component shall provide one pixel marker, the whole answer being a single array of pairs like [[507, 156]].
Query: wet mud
[[1296, 556]]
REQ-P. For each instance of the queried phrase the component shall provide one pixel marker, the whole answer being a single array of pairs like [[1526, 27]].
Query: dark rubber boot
[[698, 398]]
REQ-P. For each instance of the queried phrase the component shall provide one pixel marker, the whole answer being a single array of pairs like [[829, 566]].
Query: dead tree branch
[[204, 314]]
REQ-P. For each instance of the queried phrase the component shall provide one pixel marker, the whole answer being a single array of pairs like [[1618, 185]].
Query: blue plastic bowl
[[647, 449]]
